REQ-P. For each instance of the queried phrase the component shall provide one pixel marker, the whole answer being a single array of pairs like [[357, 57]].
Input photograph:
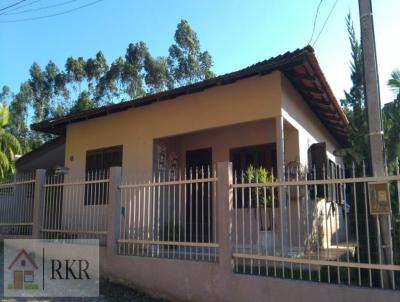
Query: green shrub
[[262, 175]]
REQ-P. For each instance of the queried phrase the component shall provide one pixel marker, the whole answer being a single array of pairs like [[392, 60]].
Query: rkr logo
[[67, 269], [38, 268]]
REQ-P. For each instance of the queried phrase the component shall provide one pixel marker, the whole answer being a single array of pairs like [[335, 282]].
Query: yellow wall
[[291, 141], [310, 129], [254, 99], [222, 140], [247, 100]]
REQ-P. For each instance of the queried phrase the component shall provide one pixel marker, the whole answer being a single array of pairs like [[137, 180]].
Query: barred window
[[98, 163], [256, 156]]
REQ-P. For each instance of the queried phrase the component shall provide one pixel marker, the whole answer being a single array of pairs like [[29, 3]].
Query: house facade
[[269, 114], [275, 114]]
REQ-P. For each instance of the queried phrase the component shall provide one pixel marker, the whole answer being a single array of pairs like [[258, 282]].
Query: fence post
[[38, 202], [114, 210], [283, 202], [224, 209]]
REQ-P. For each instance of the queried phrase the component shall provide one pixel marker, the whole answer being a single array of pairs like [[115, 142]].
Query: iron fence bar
[[289, 198], [162, 242], [321, 182], [74, 231], [169, 183], [15, 224], [243, 224], [17, 183], [356, 221], [387, 267], [85, 182]]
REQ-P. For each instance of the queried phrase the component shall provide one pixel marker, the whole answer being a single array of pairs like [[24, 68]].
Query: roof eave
[[286, 63]]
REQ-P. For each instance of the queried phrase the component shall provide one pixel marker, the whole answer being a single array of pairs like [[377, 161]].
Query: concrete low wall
[[180, 280]]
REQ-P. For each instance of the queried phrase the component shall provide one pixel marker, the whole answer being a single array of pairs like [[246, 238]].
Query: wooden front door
[[199, 201], [18, 280]]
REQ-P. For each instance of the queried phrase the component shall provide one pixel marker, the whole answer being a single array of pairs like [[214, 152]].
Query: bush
[[261, 175]]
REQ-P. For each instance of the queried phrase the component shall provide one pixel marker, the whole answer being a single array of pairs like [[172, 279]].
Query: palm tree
[[9, 144], [394, 82]]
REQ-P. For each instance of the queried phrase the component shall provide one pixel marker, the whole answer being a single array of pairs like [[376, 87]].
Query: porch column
[[283, 208]]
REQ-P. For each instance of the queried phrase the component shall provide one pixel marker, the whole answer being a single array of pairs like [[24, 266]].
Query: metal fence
[[76, 207], [315, 225], [312, 225], [16, 205], [172, 215]]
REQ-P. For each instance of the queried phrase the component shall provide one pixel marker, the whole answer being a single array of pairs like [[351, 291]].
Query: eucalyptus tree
[[56, 82], [95, 69], [157, 76], [5, 95], [75, 72], [110, 85], [133, 71], [83, 102], [18, 108], [187, 63], [85, 83]]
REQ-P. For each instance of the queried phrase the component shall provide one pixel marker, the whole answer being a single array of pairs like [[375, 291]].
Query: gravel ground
[[109, 291]]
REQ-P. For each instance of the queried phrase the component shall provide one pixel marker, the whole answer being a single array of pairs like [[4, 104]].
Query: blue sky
[[237, 33]]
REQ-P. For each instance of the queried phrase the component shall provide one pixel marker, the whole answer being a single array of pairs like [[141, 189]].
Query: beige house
[[270, 114], [212, 228]]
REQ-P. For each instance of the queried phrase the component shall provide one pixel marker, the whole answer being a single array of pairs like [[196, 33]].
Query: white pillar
[[38, 203], [114, 210], [283, 208]]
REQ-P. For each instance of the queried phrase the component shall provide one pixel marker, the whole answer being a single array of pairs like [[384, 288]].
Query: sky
[[237, 33]]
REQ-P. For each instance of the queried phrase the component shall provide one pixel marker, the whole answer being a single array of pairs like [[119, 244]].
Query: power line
[[12, 5], [19, 7], [315, 21], [326, 21], [52, 15], [41, 8]]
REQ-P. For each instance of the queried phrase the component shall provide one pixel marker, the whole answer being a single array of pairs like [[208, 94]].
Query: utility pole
[[371, 82]]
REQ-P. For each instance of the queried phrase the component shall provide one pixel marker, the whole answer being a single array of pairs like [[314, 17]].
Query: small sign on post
[[379, 198]]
